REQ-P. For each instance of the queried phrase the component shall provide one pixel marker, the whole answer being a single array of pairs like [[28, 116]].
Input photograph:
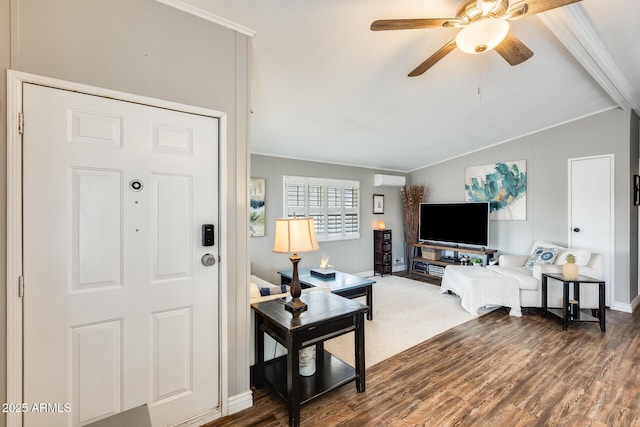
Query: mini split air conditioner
[[380, 180]]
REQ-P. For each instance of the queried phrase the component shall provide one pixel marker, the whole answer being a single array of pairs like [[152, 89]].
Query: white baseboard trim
[[399, 267], [240, 402], [368, 273], [624, 307], [371, 273]]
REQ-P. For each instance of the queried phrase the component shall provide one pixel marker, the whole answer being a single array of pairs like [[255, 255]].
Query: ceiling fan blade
[[431, 61], [531, 7], [513, 50], [412, 24]]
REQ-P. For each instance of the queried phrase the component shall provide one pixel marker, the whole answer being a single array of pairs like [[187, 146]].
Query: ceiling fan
[[484, 26]]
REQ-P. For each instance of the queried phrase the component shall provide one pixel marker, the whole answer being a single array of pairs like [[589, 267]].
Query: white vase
[[308, 361]]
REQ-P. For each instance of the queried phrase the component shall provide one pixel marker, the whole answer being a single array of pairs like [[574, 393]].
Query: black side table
[[343, 284], [571, 311], [327, 316]]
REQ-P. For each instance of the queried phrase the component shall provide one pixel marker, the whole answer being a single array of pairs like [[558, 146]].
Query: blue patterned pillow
[[541, 256], [273, 290]]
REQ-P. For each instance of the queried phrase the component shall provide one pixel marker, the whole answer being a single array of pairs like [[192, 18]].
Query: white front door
[[118, 308], [591, 209]]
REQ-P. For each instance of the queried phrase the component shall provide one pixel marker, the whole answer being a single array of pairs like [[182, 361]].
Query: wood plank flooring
[[492, 371]]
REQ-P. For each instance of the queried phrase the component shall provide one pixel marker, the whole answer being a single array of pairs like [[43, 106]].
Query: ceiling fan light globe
[[482, 35]]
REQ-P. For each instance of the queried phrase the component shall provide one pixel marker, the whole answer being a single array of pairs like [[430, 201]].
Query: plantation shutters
[[333, 204]]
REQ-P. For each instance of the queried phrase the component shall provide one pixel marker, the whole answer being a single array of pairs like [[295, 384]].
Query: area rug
[[405, 313]]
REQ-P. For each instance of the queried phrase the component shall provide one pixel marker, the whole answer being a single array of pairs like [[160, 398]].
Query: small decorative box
[[323, 273], [431, 254]]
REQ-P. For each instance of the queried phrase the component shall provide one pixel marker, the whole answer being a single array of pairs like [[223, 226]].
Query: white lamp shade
[[295, 235], [482, 35]]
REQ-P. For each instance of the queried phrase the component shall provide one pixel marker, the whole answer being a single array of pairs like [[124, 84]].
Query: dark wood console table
[[327, 316], [433, 268]]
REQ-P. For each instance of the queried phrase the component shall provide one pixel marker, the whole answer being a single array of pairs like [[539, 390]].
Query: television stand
[[426, 259]]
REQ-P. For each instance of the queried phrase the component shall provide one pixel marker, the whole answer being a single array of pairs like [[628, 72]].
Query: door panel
[[96, 253], [116, 299], [171, 226], [96, 369], [590, 207]]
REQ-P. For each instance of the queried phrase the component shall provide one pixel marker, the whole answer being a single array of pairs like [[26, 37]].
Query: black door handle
[[577, 230]]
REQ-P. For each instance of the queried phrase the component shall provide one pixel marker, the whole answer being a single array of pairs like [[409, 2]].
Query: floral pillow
[[541, 256]]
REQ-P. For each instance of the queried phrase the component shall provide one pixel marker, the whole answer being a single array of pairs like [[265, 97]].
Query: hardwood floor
[[492, 371]]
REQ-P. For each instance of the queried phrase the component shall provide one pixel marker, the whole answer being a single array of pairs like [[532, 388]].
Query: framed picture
[[257, 209], [378, 203], [636, 190]]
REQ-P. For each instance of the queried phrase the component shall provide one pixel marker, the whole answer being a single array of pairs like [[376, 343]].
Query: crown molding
[[571, 26], [201, 13]]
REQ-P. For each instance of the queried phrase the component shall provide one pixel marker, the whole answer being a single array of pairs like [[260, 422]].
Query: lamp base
[[295, 306]]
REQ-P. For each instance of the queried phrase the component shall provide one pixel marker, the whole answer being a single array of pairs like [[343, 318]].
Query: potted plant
[[476, 262], [570, 269]]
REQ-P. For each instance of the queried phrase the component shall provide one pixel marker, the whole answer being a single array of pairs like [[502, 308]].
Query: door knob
[[208, 260], [577, 230]]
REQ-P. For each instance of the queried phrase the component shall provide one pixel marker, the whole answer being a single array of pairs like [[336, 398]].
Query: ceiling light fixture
[[482, 35], [486, 6]]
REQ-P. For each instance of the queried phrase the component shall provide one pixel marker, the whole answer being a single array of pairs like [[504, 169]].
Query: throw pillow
[[543, 244], [541, 256], [254, 290], [274, 290], [582, 256]]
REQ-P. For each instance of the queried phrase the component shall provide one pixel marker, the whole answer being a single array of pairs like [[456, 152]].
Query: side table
[[571, 309], [327, 316], [343, 284]]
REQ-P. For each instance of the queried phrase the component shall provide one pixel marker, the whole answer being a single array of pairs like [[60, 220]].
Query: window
[[333, 204]]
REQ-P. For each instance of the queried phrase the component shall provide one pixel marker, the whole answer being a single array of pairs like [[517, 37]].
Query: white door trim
[[612, 205], [15, 81]]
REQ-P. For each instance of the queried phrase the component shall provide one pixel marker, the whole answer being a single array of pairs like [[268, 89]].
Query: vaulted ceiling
[[324, 87]]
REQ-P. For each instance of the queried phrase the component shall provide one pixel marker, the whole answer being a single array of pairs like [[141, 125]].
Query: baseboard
[[399, 267], [371, 273], [240, 402], [624, 307], [368, 273]]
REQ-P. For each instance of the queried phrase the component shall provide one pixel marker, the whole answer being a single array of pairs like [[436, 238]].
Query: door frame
[[15, 326], [612, 195]]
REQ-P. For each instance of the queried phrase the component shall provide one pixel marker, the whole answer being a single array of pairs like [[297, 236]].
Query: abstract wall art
[[256, 207], [503, 185]]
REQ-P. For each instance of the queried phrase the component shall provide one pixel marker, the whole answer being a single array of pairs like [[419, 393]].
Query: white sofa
[[530, 280]]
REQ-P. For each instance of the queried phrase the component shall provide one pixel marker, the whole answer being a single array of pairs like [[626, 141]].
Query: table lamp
[[295, 235]]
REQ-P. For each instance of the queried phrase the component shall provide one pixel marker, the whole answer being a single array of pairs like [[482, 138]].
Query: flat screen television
[[455, 223]]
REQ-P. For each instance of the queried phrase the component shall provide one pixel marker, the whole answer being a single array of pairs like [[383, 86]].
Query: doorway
[[116, 306], [591, 210]]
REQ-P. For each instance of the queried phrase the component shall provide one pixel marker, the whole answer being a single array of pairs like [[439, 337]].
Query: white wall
[[146, 48], [547, 154], [350, 256]]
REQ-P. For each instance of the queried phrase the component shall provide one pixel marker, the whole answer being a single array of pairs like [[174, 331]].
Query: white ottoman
[[478, 286]]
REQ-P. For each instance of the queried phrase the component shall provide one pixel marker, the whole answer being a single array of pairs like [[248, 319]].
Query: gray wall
[[350, 256], [547, 154], [145, 48]]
